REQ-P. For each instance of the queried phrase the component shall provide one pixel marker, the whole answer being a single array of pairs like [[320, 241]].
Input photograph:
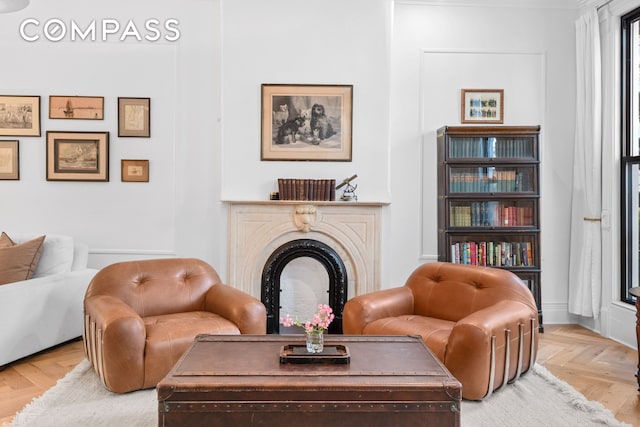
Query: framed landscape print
[[134, 117], [77, 156], [482, 106], [76, 107], [19, 115], [306, 122], [9, 160], [135, 170]]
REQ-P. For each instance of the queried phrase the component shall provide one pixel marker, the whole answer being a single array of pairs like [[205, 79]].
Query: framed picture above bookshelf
[[482, 106]]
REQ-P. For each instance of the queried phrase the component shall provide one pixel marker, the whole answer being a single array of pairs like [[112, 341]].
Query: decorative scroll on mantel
[[258, 228]]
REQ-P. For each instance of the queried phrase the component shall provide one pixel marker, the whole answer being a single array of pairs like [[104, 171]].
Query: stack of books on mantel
[[307, 189]]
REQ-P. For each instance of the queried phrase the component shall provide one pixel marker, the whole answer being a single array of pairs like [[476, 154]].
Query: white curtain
[[585, 279]]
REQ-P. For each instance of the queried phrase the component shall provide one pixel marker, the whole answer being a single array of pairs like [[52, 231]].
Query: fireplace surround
[[264, 236]]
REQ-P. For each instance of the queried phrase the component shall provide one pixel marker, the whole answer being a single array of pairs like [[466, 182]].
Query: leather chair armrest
[[239, 307], [468, 354], [364, 309], [114, 341]]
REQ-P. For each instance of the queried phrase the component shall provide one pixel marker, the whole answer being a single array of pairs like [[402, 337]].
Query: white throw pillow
[[57, 254]]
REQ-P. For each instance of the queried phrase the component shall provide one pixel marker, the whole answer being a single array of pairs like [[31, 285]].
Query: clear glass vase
[[315, 341]]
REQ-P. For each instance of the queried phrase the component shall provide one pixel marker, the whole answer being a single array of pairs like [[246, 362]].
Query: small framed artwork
[[482, 106], [19, 115], [77, 156], [76, 107], [9, 160], [135, 170], [306, 122], [134, 117]]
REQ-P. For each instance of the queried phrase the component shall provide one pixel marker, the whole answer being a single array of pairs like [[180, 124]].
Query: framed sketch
[[306, 122], [482, 106], [9, 160], [135, 170], [77, 156], [134, 117], [19, 115], [76, 107]]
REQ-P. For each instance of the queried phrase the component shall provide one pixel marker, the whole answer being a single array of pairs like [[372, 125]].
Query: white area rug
[[538, 399]]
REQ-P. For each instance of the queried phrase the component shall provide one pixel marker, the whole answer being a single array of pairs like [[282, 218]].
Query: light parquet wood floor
[[599, 368], [25, 379]]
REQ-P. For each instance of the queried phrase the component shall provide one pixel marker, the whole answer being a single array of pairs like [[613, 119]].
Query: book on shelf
[[493, 254], [490, 214], [491, 147], [489, 180], [307, 189]]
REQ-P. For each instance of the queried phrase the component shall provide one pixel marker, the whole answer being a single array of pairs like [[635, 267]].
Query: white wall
[[205, 91], [178, 211], [194, 163], [287, 42], [438, 50]]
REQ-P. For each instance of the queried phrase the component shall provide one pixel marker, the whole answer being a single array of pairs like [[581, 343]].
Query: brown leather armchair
[[480, 322], [141, 316]]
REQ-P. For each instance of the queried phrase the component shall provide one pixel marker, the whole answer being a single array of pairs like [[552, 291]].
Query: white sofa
[[47, 309]]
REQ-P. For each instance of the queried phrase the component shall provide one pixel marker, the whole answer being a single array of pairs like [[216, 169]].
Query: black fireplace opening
[[296, 249]]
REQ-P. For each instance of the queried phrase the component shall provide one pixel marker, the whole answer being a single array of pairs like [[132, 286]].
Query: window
[[630, 165]]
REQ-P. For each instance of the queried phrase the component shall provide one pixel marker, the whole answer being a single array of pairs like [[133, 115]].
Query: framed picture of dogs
[[306, 122]]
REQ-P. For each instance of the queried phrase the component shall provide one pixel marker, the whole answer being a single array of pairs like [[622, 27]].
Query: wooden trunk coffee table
[[241, 381]]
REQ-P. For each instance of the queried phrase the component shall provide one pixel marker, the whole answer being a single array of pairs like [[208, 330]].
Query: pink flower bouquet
[[320, 322]]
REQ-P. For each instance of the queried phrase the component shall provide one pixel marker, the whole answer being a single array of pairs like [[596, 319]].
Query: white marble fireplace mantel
[[258, 228]]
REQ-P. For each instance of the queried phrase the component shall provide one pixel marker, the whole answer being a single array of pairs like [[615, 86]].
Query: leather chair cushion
[[170, 335], [434, 332], [157, 287]]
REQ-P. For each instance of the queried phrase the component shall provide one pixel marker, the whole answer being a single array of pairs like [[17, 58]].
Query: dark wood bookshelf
[[489, 199]]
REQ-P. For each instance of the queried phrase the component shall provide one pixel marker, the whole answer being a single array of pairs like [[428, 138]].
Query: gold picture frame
[[77, 156], [134, 170], [134, 117], [307, 122], [19, 115], [482, 106], [76, 107], [9, 160]]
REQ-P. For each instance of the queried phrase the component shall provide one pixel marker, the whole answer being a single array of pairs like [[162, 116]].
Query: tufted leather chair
[[481, 322], [141, 316]]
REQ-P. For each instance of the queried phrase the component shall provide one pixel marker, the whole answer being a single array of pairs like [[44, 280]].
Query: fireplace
[[336, 244], [280, 258]]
